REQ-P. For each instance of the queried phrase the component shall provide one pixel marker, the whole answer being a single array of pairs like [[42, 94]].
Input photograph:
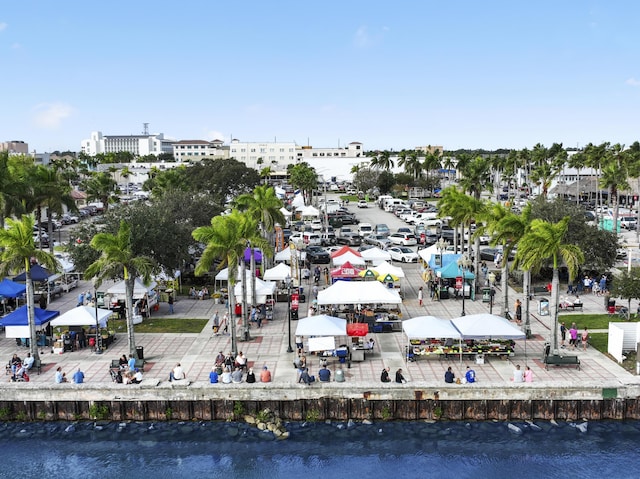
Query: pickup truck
[[69, 284]]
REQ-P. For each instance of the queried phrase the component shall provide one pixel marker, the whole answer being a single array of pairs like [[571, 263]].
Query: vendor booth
[[375, 255], [487, 334], [354, 259], [145, 297], [321, 332], [345, 272], [430, 335], [10, 291], [279, 272], [17, 323], [90, 317]]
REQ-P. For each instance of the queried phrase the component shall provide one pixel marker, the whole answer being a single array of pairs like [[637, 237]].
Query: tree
[[385, 182], [226, 239], [101, 187], [305, 178], [263, 205], [547, 163], [17, 250], [544, 241], [614, 177], [12, 186], [476, 177], [626, 285], [366, 179], [117, 260]]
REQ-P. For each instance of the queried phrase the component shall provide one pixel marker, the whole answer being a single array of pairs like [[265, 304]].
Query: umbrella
[[368, 273], [387, 278]]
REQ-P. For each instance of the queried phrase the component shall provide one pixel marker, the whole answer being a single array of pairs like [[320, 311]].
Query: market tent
[[309, 211], [38, 273], [427, 254], [285, 255], [375, 255], [83, 316], [223, 275], [285, 212], [486, 326], [17, 323], [139, 289], [387, 268], [368, 274], [348, 257], [424, 327], [343, 250], [11, 289], [263, 289], [388, 278], [257, 255], [321, 325], [452, 270], [298, 201], [358, 292], [345, 271], [277, 273]]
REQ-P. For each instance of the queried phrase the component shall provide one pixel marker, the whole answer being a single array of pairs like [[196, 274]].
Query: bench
[[115, 364], [540, 290], [558, 360]]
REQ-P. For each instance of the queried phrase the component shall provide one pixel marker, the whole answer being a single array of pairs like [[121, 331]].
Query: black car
[[317, 254], [445, 232]]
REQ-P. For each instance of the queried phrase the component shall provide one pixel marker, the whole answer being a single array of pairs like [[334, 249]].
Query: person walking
[[170, 301], [420, 296], [585, 339]]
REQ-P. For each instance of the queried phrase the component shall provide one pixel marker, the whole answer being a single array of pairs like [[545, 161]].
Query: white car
[[428, 223], [403, 254], [365, 229], [403, 239], [363, 204]]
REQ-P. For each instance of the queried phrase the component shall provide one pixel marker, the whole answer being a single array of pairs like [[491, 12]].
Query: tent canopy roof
[[19, 317], [83, 316], [321, 325], [278, 272], [11, 289], [358, 292], [423, 327], [486, 326]]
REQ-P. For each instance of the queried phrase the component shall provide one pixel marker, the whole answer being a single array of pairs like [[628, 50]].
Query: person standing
[[584, 339], [131, 363], [573, 334], [170, 301], [420, 296], [80, 299], [399, 377], [216, 323], [518, 311], [563, 334]]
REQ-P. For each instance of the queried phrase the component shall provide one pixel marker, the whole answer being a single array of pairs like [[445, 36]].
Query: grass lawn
[[591, 321], [599, 341], [161, 325]]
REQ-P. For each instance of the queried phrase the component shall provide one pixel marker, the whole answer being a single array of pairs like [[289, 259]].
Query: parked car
[[404, 229], [381, 229], [317, 254], [363, 204], [68, 219], [381, 241], [489, 254], [349, 238], [403, 254], [328, 238], [365, 229], [403, 239], [628, 222]]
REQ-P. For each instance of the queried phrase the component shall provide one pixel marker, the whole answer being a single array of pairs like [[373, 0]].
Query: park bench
[[557, 360], [540, 290], [115, 364]]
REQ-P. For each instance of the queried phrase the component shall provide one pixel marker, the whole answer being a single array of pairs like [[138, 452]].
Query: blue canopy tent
[[452, 270], [38, 273], [257, 254], [446, 260], [17, 323], [11, 289]]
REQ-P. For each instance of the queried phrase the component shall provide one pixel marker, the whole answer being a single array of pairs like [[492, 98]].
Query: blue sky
[[462, 74]]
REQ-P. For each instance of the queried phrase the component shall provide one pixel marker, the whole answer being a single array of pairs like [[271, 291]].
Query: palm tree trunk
[[245, 322], [526, 285], [504, 284], [128, 285], [231, 312], [31, 315], [553, 307]]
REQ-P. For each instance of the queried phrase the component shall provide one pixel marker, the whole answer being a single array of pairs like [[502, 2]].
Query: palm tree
[[614, 178], [101, 187], [544, 241], [118, 260], [548, 162], [17, 249], [476, 177], [384, 161], [12, 186]]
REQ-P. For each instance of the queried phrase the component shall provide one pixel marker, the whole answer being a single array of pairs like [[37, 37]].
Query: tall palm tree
[[545, 241], [385, 162], [614, 178], [410, 161], [17, 249], [225, 239], [548, 162], [101, 187], [476, 177], [118, 260], [13, 184]]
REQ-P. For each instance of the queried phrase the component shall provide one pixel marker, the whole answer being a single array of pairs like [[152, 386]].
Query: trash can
[[294, 315], [486, 295], [611, 306], [543, 307], [140, 352]]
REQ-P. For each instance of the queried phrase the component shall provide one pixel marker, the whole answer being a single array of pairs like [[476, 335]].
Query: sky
[[391, 75]]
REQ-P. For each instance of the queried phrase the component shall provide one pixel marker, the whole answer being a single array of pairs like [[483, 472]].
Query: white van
[[311, 239], [389, 205], [382, 199]]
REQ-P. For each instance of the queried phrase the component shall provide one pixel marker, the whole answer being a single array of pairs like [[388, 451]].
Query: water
[[337, 450]]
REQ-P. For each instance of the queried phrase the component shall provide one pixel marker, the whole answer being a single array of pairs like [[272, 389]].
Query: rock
[[262, 426], [249, 419], [514, 429], [553, 422], [70, 428], [233, 432], [350, 424], [533, 426], [582, 427], [272, 427], [368, 422], [284, 435]]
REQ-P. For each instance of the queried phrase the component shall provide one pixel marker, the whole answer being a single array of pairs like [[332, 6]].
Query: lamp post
[[288, 280], [441, 246], [95, 303], [463, 264]]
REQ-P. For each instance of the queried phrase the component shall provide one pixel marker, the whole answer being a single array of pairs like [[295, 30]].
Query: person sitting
[[60, 377], [123, 362], [78, 377], [137, 377], [15, 363], [226, 375], [305, 377], [384, 377], [177, 373], [20, 375], [251, 377], [449, 377], [400, 377], [518, 375], [324, 374], [236, 376], [241, 361], [265, 375], [213, 376], [28, 362], [229, 361], [470, 376], [192, 293]]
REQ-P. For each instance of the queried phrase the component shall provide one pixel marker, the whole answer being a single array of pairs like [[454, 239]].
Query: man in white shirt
[[176, 373], [28, 362], [518, 375]]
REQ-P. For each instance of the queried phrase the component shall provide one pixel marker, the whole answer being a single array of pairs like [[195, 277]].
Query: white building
[[186, 150], [138, 145], [275, 155], [352, 150]]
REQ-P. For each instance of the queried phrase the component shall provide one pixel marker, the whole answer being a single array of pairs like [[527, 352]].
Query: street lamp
[[95, 303], [463, 264], [288, 280], [441, 246]]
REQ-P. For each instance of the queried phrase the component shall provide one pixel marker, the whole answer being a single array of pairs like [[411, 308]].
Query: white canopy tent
[[309, 211], [350, 257], [285, 255], [278, 273], [423, 327], [358, 292], [285, 212], [321, 325], [385, 268], [426, 253], [83, 316], [298, 201], [139, 288], [486, 326], [263, 289], [223, 275], [375, 255]]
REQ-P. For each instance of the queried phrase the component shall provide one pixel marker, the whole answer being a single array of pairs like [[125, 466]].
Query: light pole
[[288, 279], [463, 264], [95, 303], [441, 245]]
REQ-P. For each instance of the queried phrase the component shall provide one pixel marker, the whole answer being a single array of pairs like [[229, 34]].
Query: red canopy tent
[[347, 270], [357, 329], [343, 250]]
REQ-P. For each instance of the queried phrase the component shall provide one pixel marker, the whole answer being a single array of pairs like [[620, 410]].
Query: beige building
[[15, 147]]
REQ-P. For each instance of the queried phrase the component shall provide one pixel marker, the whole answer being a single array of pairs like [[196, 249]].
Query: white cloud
[[50, 115], [633, 82], [215, 135], [361, 38], [3, 26]]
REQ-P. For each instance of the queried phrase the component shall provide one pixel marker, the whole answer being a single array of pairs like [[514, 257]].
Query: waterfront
[[336, 450]]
